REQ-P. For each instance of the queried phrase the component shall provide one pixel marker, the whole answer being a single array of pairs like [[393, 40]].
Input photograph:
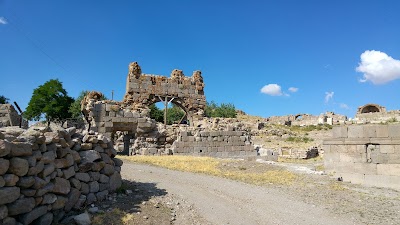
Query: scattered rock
[[83, 219]]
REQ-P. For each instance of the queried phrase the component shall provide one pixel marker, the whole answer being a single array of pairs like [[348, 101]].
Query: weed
[[114, 217]]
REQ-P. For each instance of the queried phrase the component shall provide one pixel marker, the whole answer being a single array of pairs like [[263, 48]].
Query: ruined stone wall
[[107, 117], [45, 174], [10, 117], [307, 119], [213, 143], [378, 117], [373, 113], [146, 89], [365, 154]]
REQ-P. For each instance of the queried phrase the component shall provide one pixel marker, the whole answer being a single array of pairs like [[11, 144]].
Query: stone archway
[[371, 108], [142, 90]]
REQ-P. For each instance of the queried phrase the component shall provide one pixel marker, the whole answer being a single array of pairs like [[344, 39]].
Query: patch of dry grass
[[211, 166], [113, 217]]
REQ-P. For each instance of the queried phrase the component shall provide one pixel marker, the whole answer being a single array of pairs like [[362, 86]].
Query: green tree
[[174, 114], [156, 113], [3, 100], [75, 108], [49, 100], [224, 110]]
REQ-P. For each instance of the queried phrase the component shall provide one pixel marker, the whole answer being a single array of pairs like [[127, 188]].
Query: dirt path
[[222, 201]]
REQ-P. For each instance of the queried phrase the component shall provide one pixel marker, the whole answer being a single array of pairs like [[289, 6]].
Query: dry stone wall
[[44, 174], [365, 154]]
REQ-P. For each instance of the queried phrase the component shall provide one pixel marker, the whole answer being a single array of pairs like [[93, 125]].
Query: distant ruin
[[306, 119], [373, 113]]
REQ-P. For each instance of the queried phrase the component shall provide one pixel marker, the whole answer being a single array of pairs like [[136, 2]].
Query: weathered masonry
[[214, 143], [186, 92], [10, 117], [142, 135], [365, 154], [373, 113]]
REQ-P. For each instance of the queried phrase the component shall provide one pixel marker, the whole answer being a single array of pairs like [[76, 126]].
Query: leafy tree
[[223, 110], [174, 114], [49, 100], [156, 113], [75, 108], [3, 100]]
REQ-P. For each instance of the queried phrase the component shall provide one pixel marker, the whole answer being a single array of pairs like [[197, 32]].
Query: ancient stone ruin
[[306, 119], [373, 113], [129, 121], [365, 154], [10, 117], [45, 173]]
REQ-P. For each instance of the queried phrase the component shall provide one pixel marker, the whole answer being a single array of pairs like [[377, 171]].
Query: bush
[[223, 110], [3, 100]]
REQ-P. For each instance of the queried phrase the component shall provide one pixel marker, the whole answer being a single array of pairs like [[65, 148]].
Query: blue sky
[[250, 52]]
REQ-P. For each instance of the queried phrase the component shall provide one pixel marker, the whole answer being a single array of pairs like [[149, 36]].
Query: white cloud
[[378, 67], [329, 96], [3, 21], [344, 106], [293, 89], [272, 89]]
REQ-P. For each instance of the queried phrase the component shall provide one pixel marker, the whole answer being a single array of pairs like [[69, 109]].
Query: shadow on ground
[[134, 203]]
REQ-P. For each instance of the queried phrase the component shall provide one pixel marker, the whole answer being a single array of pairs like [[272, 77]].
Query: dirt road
[[221, 201]]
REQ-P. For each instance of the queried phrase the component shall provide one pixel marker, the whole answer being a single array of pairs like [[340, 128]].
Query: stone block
[[394, 130], [389, 149], [339, 132], [355, 131], [369, 131], [382, 131]]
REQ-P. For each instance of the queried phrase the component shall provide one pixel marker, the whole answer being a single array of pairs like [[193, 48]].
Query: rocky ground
[[153, 195]]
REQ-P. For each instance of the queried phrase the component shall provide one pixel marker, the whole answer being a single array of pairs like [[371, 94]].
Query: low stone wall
[[365, 154], [45, 174], [213, 143]]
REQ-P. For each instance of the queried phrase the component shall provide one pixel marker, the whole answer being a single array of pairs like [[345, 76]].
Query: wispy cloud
[[3, 21], [272, 89], [293, 89], [344, 106], [329, 96], [378, 67]]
